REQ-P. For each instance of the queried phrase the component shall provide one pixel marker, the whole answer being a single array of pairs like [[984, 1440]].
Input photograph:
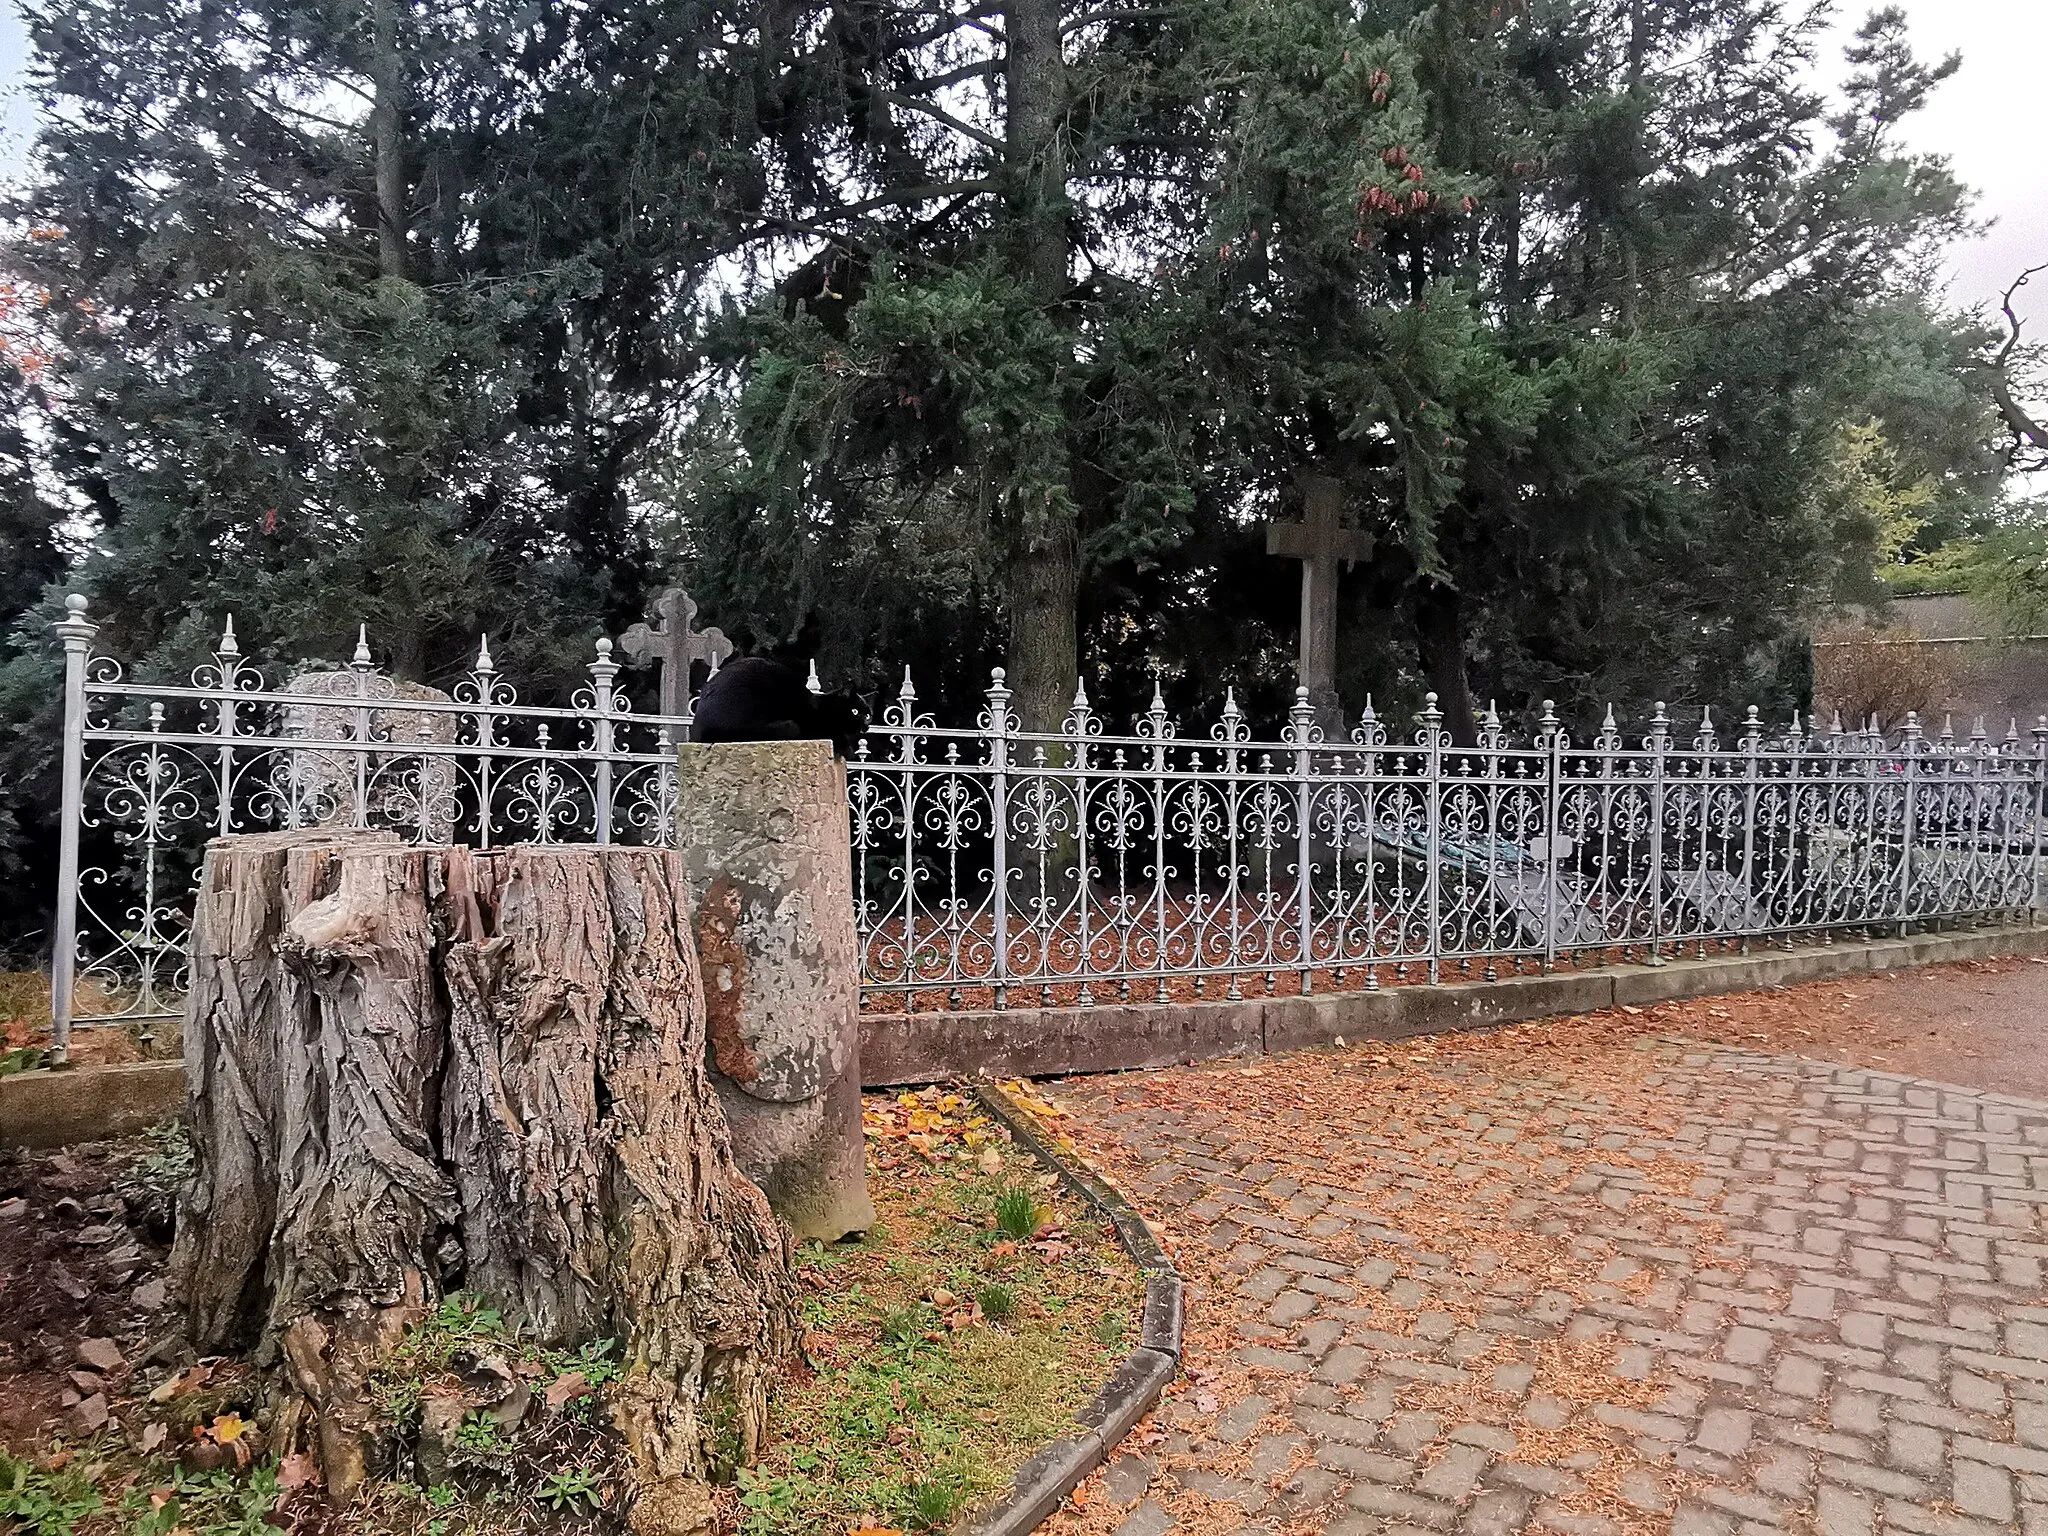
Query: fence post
[[227, 671], [1552, 729], [2040, 777], [1908, 817], [999, 813], [1660, 744], [76, 631], [1300, 721], [602, 698], [1433, 858], [360, 665], [1752, 769]]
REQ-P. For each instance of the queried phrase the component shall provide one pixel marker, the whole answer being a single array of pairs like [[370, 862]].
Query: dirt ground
[[1981, 1023], [83, 1241]]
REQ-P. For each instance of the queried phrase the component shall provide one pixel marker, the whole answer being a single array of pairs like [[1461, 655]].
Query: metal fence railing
[[1218, 862], [994, 865]]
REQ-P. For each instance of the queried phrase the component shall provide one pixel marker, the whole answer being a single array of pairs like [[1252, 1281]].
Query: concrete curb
[[53, 1109], [905, 1048], [1054, 1472]]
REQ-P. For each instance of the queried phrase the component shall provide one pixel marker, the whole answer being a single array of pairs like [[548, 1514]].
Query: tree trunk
[[1440, 637], [1043, 656], [387, 148], [416, 1069]]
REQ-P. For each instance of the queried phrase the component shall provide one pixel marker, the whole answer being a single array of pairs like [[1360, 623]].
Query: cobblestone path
[[1555, 1280]]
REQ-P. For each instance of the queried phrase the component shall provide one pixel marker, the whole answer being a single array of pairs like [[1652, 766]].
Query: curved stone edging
[[1049, 1476]]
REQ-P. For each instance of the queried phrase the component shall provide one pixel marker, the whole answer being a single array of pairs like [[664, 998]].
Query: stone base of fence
[[899, 1048], [47, 1109]]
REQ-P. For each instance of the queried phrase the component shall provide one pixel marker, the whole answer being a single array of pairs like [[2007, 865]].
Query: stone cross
[[1319, 541], [671, 644]]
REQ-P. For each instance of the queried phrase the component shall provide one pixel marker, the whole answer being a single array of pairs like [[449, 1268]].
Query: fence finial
[[483, 654], [362, 655], [227, 646], [811, 684]]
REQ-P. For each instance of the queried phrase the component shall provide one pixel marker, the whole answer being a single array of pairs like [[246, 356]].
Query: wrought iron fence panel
[[998, 866]]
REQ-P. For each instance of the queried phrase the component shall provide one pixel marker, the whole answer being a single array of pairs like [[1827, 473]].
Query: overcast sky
[[1985, 120]]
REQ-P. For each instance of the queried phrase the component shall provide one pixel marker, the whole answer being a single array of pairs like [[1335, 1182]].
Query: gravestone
[[411, 793], [762, 827], [670, 643], [1319, 542]]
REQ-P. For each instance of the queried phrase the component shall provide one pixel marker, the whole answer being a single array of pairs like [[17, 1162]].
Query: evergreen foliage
[[966, 334]]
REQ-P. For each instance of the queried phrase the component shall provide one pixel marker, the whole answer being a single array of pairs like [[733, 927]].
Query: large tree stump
[[414, 1070], [763, 826]]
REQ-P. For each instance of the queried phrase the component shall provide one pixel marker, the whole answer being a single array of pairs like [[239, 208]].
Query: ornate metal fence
[[152, 770], [994, 865], [1083, 866]]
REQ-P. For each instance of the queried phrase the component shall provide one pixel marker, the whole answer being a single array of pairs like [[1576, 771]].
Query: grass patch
[[944, 1348], [941, 1351]]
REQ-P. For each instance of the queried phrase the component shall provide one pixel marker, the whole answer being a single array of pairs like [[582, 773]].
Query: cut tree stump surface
[[1586, 1276]]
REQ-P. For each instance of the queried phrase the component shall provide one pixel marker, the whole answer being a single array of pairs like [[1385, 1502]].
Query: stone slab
[[55, 1108], [1049, 1042]]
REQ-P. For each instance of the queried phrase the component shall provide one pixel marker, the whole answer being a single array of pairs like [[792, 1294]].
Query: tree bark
[[1440, 638], [1043, 655], [415, 1069], [387, 110]]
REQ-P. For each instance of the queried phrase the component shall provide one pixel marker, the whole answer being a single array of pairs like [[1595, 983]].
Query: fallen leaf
[[298, 1470], [153, 1435], [565, 1388], [188, 1380]]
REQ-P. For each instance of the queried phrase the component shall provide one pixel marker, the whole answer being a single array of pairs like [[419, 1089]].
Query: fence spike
[[362, 655], [811, 683], [227, 646]]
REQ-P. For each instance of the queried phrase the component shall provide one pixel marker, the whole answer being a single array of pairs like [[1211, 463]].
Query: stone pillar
[[762, 826]]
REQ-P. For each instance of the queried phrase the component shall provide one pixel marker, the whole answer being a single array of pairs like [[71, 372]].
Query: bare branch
[[2027, 433], [1112, 13], [941, 115]]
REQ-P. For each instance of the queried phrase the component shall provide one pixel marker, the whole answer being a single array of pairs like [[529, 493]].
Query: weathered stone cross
[[1319, 541], [671, 644]]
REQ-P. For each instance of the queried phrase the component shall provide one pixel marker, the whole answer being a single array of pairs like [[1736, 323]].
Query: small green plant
[[26, 1059], [1018, 1214], [40, 1503], [218, 1503], [933, 1501], [1109, 1333], [998, 1303], [480, 1443], [905, 1325], [565, 1490]]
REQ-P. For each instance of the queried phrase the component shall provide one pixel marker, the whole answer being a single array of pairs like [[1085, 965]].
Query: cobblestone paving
[[1707, 1292]]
